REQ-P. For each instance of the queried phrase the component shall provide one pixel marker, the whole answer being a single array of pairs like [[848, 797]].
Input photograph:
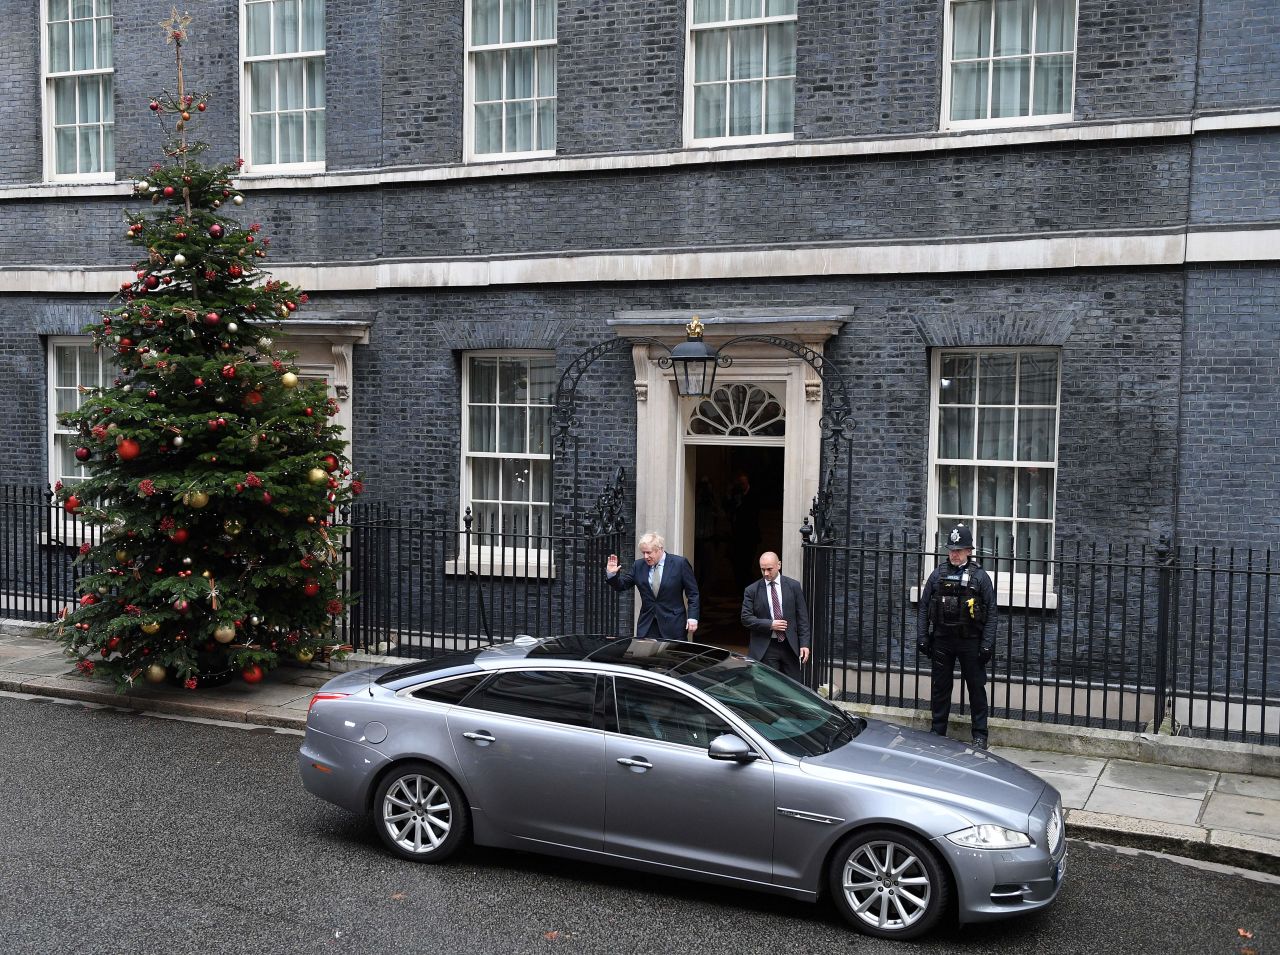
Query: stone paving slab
[[1236, 784], [1074, 788], [1254, 814], [1165, 780], [1171, 810], [1040, 762]]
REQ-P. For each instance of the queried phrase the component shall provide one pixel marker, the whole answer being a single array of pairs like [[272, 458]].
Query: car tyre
[[420, 814], [889, 884]]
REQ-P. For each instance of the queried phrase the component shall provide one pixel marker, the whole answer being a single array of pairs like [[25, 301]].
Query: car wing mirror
[[732, 749]]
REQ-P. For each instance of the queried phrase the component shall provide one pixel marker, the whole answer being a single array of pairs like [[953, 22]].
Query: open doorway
[[737, 514]]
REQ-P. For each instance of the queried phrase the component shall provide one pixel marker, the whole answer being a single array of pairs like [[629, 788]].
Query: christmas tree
[[213, 471]]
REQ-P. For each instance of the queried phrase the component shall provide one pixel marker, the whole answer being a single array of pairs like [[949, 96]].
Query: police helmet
[[960, 538]]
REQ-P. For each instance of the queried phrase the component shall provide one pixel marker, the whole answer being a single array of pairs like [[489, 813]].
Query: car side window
[[654, 712], [449, 691], [560, 696]]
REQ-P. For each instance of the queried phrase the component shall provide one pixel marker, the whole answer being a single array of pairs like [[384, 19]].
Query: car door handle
[[481, 737], [637, 762]]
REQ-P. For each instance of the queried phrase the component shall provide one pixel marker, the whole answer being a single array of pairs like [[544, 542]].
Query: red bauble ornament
[[72, 504], [212, 318], [252, 673], [199, 382], [180, 535], [155, 106], [82, 454], [151, 281], [228, 371], [266, 497], [128, 449], [215, 230], [330, 463], [151, 393], [311, 588], [169, 191], [201, 107]]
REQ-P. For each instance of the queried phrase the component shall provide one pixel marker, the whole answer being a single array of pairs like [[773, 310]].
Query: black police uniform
[[957, 621]]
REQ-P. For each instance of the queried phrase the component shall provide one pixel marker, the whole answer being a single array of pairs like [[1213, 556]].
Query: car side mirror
[[731, 749]]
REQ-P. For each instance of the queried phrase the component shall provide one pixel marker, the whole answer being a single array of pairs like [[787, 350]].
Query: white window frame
[[50, 157], [246, 95], [690, 139], [53, 430], [1017, 588], [484, 557], [1006, 121], [469, 152]]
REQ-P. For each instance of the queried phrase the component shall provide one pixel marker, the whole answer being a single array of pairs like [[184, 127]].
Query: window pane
[[542, 380], [313, 24], [512, 430], [1033, 548], [651, 712], [995, 434], [995, 492], [108, 148], [64, 144], [59, 47], [745, 107], [90, 370], [291, 135], [779, 8], [315, 83], [519, 83], [488, 76], [259, 29], [540, 481], [483, 428], [287, 32], [262, 129], [90, 149], [486, 519], [955, 436], [450, 691], [1035, 492], [781, 49], [708, 11], [539, 430], [972, 30], [484, 478], [262, 87], [81, 9], [516, 20], [955, 489], [483, 380], [489, 128], [709, 111], [58, 10], [1013, 27], [64, 101], [104, 44], [746, 53], [1053, 85], [544, 19], [315, 135], [969, 91], [484, 22], [546, 124], [1039, 380], [1055, 26], [779, 106], [998, 379], [555, 696], [958, 386], [82, 43], [289, 85], [1035, 434], [104, 8], [88, 94], [710, 55], [513, 381], [1011, 88], [64, 360], [744, 9], [994, 539], [546, 57]]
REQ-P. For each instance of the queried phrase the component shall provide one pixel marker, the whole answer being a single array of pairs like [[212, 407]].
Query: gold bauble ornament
[[155, 673], [225, 633], [151, 628], [304, 656], [232, 526], [317, 476], [122, 556], [289, 380], [196, 499]]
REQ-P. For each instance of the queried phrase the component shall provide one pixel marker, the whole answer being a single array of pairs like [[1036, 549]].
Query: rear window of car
[[424, 668], [449, 691]]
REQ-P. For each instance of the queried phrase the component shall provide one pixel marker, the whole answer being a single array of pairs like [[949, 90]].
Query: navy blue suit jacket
[[662, 617], [759, 621]]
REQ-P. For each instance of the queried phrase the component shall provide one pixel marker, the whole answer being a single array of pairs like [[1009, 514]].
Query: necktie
[[655, 578], [773, 599]]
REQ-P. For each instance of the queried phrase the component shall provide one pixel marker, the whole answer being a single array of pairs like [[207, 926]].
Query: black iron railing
[[1138, 638]]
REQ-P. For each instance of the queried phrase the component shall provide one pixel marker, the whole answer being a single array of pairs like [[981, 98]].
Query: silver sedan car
[[683, 759]]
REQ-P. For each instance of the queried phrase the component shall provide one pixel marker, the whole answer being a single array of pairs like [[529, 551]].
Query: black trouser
[[782, 658], [968, 650]]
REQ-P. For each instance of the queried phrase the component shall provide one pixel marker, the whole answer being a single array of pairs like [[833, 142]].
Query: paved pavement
[[1206, 799]]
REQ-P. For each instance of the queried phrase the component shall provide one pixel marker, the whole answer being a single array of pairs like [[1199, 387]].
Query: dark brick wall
[[1237, 177], [1135, 59], [421, 85], [1230, 448], [20, 140], [353, 77], [1240, 55]]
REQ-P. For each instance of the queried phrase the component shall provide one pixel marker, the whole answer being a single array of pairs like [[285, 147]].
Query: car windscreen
[[798, 722]]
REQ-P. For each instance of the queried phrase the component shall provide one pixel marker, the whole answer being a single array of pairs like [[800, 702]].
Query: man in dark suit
[[664, 582], [774, 611]]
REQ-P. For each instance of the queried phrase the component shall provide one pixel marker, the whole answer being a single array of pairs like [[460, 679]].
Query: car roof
[[672, 657]]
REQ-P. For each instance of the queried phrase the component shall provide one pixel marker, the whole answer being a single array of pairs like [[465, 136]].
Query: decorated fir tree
[[213, 471]]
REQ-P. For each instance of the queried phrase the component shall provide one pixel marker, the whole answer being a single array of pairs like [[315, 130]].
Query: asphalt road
[[122, 833]]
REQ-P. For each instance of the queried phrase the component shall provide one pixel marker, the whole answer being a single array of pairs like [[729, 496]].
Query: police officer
[[957, 621]]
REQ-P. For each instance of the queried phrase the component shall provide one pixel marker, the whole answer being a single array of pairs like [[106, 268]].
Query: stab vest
[[956, 608]]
